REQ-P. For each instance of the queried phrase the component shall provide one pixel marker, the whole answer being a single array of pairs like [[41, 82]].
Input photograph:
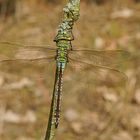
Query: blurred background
[[101, 111]]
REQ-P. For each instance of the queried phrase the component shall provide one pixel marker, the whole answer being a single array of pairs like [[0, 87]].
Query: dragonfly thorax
[[62, 55], [62, 51]]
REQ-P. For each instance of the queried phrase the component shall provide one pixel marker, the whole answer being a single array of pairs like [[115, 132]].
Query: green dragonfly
[[65, 59], [15, 57]]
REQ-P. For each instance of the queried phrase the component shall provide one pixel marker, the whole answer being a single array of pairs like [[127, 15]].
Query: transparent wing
[[25, 66], [110, 58], [16, 74], [91, 77], [22, 45], [91, 67], [18, 51], [18, 58], [18, 61], [88, 74], [84, 83]]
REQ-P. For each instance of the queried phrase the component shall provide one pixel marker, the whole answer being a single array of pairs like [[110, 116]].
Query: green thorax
[[63, 46]]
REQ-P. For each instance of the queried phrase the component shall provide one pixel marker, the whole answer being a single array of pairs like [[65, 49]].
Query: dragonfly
[[82, 65], [17, 57], [67, 61]]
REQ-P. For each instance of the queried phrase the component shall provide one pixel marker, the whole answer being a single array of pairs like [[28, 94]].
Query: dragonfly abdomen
[[58, 94]]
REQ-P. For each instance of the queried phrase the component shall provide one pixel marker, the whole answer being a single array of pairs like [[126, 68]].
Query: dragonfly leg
[[71, 46]]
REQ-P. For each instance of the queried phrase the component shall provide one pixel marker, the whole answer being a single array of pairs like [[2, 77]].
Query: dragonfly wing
[[18, 65], [110, 58], [17, 74], [88, 74], [23, 45], [84, 83], [18, 51], [17, 57], [26, 60], [88, 70]]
